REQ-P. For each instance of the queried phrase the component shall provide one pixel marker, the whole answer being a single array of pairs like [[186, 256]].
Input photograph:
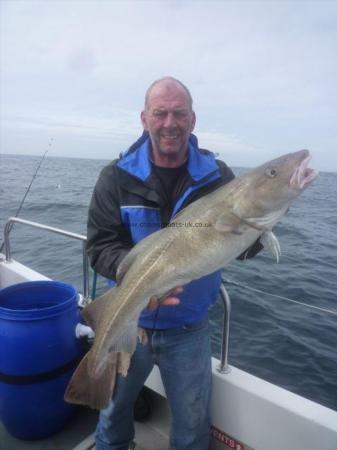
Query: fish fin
[[126, 340], [83, 389], [123, 363], [142, 336], [270, 241], [228, 223], [92, 312]]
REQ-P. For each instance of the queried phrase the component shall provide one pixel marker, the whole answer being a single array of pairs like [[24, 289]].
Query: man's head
[[169, 119]]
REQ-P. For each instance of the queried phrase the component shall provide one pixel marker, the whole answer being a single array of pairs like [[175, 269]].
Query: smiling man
[[169, 119], [137, 194]]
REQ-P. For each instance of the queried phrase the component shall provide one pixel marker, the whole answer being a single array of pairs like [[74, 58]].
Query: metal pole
[[85, 273], [224, 367], [40, 226], [8, 228], [59, 231]]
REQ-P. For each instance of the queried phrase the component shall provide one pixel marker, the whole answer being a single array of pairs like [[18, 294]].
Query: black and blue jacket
[[127, 206]]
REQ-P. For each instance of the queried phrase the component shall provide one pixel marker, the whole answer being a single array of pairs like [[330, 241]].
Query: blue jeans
[[184, 359]]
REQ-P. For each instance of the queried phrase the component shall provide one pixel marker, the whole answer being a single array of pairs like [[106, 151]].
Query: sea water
[[272, 337]]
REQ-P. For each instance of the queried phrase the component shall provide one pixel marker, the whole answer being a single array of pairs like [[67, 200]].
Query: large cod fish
[[202, 238]]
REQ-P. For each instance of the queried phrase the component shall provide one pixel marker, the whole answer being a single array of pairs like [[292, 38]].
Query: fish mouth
[[303, 175]]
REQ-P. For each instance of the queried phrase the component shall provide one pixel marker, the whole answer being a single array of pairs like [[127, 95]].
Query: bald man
[[163, 172]]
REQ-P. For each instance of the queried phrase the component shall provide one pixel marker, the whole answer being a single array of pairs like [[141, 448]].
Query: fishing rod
[[28, 189]]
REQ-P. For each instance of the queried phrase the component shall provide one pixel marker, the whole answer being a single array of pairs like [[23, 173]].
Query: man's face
[[169, 119]]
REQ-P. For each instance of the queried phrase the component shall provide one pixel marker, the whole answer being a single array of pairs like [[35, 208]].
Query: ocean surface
[[286, 343]]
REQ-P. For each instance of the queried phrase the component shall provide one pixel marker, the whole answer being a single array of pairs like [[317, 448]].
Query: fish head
[[265, 193]]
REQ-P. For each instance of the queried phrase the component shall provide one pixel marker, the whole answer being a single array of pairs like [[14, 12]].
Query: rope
[[280, 297]]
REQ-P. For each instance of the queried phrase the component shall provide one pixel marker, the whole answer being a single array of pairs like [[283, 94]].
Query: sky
[[263, 75]]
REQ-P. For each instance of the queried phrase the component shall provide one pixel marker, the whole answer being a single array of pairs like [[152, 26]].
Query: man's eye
[[180, 114], [159, 114]]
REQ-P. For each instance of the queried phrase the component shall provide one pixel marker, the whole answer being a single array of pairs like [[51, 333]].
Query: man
[[160, 174]]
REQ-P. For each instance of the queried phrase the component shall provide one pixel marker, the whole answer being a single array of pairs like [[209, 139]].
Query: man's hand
[[169, 300]]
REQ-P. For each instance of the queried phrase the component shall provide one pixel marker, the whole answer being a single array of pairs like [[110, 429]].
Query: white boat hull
[[246, 412]]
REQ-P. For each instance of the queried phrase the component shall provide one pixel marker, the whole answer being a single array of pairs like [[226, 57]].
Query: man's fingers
[[176, 291], [154, 302], [169, 300]]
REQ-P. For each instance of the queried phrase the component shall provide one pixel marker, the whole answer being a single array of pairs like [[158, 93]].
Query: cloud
[[82, 60], [262, 74]]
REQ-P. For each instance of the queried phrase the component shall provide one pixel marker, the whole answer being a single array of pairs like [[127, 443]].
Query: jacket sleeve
[[226, 172], [108, 241]]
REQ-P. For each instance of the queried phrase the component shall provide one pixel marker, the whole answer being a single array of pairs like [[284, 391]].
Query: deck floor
[[79, 427], [79, 433]]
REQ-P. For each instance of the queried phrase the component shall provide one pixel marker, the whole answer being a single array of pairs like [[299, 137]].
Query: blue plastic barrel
[[38, 354]]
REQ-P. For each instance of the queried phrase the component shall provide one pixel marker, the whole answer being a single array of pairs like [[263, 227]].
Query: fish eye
[[271, 172]]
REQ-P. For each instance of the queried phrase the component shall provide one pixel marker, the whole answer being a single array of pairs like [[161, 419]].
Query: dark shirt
[[168, 187]]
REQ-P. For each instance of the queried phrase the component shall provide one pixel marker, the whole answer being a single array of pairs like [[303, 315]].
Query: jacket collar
[[136, 160]]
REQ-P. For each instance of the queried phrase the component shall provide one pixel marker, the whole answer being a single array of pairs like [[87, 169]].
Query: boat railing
[[79, 237], [223, 367]]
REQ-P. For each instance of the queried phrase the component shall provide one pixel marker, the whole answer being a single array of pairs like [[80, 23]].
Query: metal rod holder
[[80, 237], [224, 367]]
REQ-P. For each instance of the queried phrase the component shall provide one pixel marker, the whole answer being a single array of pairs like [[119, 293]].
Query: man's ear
[[144, 121], [193, 121]]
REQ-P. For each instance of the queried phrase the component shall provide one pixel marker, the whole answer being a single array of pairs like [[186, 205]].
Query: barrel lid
[[34, 300]]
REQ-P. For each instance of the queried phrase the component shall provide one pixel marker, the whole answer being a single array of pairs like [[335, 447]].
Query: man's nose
[[169, 120]]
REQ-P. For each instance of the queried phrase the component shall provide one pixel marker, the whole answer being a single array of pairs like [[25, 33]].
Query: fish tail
[[93, 381], [96, 392]]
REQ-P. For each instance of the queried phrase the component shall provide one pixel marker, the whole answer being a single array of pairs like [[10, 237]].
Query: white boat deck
[[79, 433], [78, 428]]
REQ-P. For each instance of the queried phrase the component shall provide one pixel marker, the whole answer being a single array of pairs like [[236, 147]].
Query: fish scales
[[202, 238]]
